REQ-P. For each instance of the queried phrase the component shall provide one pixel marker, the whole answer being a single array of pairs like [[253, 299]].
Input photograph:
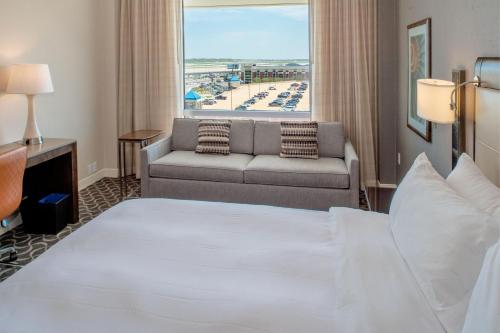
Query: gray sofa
[[253, 172]]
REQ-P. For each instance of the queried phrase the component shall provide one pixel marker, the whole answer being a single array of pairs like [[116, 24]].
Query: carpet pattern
[[93, 200]]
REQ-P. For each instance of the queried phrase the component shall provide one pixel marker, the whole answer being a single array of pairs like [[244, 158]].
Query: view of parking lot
[[280, 96]]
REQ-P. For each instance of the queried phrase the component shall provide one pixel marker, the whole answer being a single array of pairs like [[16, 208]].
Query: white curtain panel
[[344, 73], [150, 64]]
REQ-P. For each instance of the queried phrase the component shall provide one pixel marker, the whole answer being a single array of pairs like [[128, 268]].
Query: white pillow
[[468, 181], [409, 182], [443, 240], [483, 314]]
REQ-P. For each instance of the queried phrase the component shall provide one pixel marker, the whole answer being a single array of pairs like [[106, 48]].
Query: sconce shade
[[433, 101], [30, 79]]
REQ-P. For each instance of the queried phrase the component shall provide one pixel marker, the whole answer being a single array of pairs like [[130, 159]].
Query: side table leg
[[120, 169], [125, 185]]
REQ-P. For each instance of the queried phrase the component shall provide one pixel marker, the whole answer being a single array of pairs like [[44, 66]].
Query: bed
[[162, 265], [153, 265]]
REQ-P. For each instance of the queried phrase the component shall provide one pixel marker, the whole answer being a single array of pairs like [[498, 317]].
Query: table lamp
[[30, 80]]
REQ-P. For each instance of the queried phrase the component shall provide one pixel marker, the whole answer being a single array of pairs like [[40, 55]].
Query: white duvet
[[157, 265]]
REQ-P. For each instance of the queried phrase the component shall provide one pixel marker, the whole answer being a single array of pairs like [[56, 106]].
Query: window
[[247, 59]]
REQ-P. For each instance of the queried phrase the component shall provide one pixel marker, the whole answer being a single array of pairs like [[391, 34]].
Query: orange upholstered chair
[[12, 165]]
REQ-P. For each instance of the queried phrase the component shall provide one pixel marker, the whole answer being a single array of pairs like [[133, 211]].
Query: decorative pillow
[[213, 137], [468, 181], [442, 238], [483, 314], [299, 139]]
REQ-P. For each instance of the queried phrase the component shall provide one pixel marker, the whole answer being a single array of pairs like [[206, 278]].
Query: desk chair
[[12, 165]]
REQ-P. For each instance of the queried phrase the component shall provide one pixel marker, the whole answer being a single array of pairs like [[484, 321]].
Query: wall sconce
[[437, 99], [443, 102]]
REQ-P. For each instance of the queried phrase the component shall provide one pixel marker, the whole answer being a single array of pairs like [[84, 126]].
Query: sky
[[267, 32]]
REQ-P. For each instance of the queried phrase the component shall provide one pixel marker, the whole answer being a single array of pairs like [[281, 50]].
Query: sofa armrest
[[352, 162], [149, 154]]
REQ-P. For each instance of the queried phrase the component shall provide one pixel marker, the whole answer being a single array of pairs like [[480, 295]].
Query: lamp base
[[33, 141], [32, 134]]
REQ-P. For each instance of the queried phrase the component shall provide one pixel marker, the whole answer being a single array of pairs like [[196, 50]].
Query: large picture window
[[247, 58]]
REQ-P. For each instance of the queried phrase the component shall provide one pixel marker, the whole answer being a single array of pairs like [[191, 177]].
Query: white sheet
[[157, 265], [483, 314]]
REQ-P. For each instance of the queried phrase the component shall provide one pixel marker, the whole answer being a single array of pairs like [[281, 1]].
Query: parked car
[[241, 108], [272, 88], [284, 94], [288, 109], [209, 102], [277, 102], [221, 97], [297, 96]]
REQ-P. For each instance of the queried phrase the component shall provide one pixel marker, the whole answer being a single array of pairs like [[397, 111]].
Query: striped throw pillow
[[213, 137], [299, 139]]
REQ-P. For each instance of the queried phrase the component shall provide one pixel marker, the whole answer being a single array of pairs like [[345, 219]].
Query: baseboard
[[388, 186], [103, 173]]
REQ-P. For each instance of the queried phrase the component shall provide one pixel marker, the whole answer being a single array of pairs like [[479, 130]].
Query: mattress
[[160, 265]]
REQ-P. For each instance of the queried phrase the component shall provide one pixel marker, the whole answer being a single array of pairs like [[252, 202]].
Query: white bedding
[[157, 265]]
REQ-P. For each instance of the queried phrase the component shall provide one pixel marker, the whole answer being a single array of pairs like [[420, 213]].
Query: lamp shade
[[30, 79], [433, 101]]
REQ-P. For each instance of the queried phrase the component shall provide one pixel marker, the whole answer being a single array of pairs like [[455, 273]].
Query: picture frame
[[419, 67]]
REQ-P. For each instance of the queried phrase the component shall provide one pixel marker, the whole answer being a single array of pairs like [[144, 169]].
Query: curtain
[[149, 66], [344, 73]]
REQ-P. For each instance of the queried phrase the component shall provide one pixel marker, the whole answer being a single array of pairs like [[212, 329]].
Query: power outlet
[[92, 168], [399, 158]]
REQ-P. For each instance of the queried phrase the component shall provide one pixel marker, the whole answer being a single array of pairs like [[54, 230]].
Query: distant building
[[235, 67], [251, 73]]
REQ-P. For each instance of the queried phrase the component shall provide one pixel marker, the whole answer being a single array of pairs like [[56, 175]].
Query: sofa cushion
[[267, 138], [241, 140], [185, 135], [192, 166], [272, 170], [331, 139]]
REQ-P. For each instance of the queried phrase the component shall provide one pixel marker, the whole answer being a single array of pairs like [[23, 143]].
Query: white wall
[[462, 30], [77, 39]]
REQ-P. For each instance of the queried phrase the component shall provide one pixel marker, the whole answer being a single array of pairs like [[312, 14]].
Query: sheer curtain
[[149, 69], [149, 93], [344, 73]]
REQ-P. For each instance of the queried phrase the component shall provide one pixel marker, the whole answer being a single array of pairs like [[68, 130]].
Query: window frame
[[252, 114]]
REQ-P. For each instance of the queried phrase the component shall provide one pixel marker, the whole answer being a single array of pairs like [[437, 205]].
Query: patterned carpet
[[94, 200]]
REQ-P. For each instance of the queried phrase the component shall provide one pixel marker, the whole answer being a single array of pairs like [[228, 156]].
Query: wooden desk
[[51, 168]]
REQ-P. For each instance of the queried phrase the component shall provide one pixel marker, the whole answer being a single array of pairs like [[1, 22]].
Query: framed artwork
[[419, 67]]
